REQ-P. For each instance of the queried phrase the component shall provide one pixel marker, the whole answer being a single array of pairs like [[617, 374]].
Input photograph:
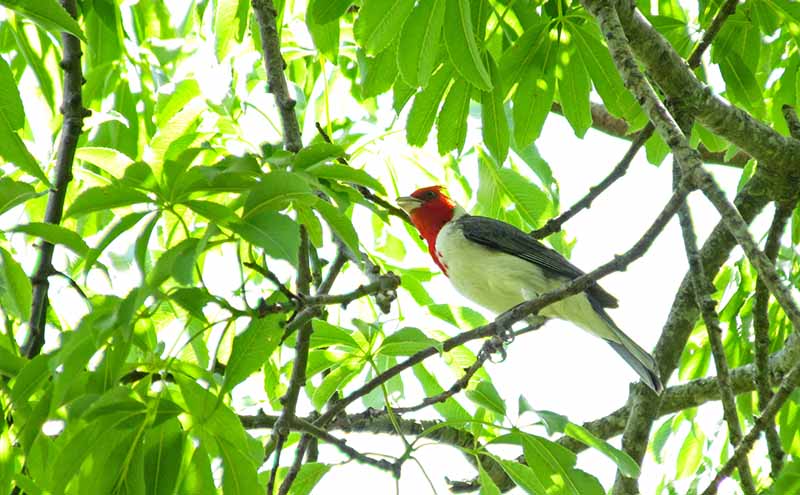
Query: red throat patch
[[433, 214]]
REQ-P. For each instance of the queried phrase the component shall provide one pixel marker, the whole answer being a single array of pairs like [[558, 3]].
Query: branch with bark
[[74, 112]]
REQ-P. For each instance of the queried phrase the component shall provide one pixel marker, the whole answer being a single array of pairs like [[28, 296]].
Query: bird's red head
[[430, 208]]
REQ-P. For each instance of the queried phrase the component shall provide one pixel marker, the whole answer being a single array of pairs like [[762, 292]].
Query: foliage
[[175, 298]]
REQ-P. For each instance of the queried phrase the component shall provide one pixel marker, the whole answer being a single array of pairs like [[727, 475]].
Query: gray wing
[[501, 236]]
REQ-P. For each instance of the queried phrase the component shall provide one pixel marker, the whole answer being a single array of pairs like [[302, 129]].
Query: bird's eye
[[429, 195]]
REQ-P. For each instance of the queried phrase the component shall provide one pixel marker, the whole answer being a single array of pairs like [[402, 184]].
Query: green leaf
[[532, 102], [523, 476], [423, 111], [193, 300], [171, 102], [493, 117], [380, 73], [14, 150], [485, 395], [531, 202], [326, 335], [450, 409], [33, 374], [239, 472], [10, 364], [169, 262], [325, 35], [13, 193], [105, 198], [418, 47], [788, 480], [528, 53], [406, 342], [691, 454], [55, 234], [573, 89], [328, 10], [162, 457], [335, 381], [230, 22], [379, 22], [15, 287], [275, 191], [451, 124], [740, 81], [10, 101], [198, 478], [462, 47], [308, 477], [217, 213], [277, 234], [339, 223], [488, 486], [123, 225], [346, 173], [604, 74], [251, 349], [47, 13], [557, 423], [112, 161]]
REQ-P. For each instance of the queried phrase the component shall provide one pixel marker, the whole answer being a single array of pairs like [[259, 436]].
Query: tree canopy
[[204, 277]]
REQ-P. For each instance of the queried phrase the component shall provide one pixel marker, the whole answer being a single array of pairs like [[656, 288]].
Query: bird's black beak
[[408, 203]]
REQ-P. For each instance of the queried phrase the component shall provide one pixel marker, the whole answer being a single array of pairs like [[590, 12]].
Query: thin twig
[[703, 288], [73, 111], [554, 224], [364, 190], [761, 327], [298, 378], [722, 15], [767, 417], [270, 275]]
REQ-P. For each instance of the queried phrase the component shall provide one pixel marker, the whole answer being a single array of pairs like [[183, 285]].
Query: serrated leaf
[[14, 150], [573, 89], [462, 47], [326, 335], [277, 234], [47, 13], [324, 34], [451, 124], [493, 117], [418, 47], [55, 234], [606, 78], [406, 342], [484, 394], [380, 72], [526, 54], [275, 191], [379, 22], [10, 101], [335, 381], [251, 349], [230, 21], [423, 110], [315, 153], [15, 287], [112, 161], [532, 102], [105, 198], [346, 173], [13, 193], [339, 223], [328, 10]]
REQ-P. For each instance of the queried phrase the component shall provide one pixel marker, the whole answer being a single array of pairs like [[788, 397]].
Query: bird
[[498, 266]]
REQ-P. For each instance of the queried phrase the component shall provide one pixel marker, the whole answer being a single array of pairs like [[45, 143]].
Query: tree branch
[[273, 61], [73, 111]]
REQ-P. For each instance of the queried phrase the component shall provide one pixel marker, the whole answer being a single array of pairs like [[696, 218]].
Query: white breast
[[495, 280]]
